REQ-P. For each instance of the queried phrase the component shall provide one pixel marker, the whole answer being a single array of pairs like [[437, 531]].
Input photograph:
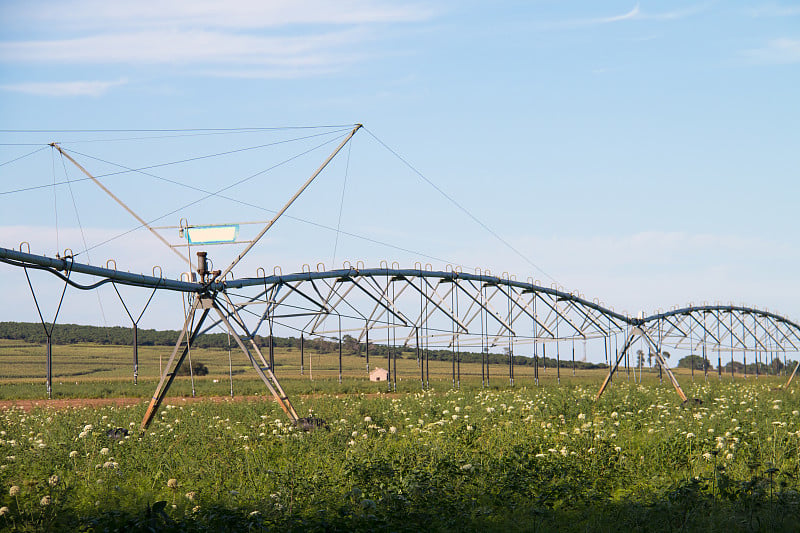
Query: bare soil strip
[[80, 403]]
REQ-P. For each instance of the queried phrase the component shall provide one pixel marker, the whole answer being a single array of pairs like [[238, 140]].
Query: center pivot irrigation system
[[415, 308]]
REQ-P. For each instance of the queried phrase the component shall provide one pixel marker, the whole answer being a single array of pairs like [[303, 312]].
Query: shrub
[[198, 369]]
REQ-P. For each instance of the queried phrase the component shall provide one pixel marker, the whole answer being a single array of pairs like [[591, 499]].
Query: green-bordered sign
[[212, 234]]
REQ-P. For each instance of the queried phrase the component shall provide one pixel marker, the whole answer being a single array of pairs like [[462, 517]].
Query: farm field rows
[[96, 370], [525, 458]]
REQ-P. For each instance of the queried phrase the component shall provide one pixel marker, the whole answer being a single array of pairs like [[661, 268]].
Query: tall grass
[[523, 459]]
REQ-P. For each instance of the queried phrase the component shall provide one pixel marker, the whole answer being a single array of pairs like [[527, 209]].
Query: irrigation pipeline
[[57, 265], [791, 336]]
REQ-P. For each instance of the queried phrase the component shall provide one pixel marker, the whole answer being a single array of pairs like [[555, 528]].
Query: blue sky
[[645, 154]]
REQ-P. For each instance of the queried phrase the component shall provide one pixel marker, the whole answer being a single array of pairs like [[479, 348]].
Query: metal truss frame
[[424, 308]]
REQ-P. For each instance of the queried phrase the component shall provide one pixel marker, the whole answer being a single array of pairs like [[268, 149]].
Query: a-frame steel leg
[[272, 382], [174, 363], [171, 369], [792, 376], [613, 367], [671, 376], [641, 332], [265, 372]]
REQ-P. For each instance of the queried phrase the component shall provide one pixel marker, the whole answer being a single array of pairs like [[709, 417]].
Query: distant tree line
[[352, 346], [765, 366], [116, 335], [73, 333]]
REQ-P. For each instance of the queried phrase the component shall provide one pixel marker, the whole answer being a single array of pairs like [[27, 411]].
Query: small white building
[[379, 374]]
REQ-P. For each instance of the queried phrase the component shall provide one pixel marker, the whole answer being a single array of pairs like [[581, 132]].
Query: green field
[[95, 370], [527, 458]]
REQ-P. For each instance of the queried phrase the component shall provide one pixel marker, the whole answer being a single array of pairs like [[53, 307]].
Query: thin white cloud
[[184, 47], [675, 14], [598, 21], [242, 38], [632, 14], [636, 13], [85, 15], [777, 51], [63, 88], [269, 73]]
